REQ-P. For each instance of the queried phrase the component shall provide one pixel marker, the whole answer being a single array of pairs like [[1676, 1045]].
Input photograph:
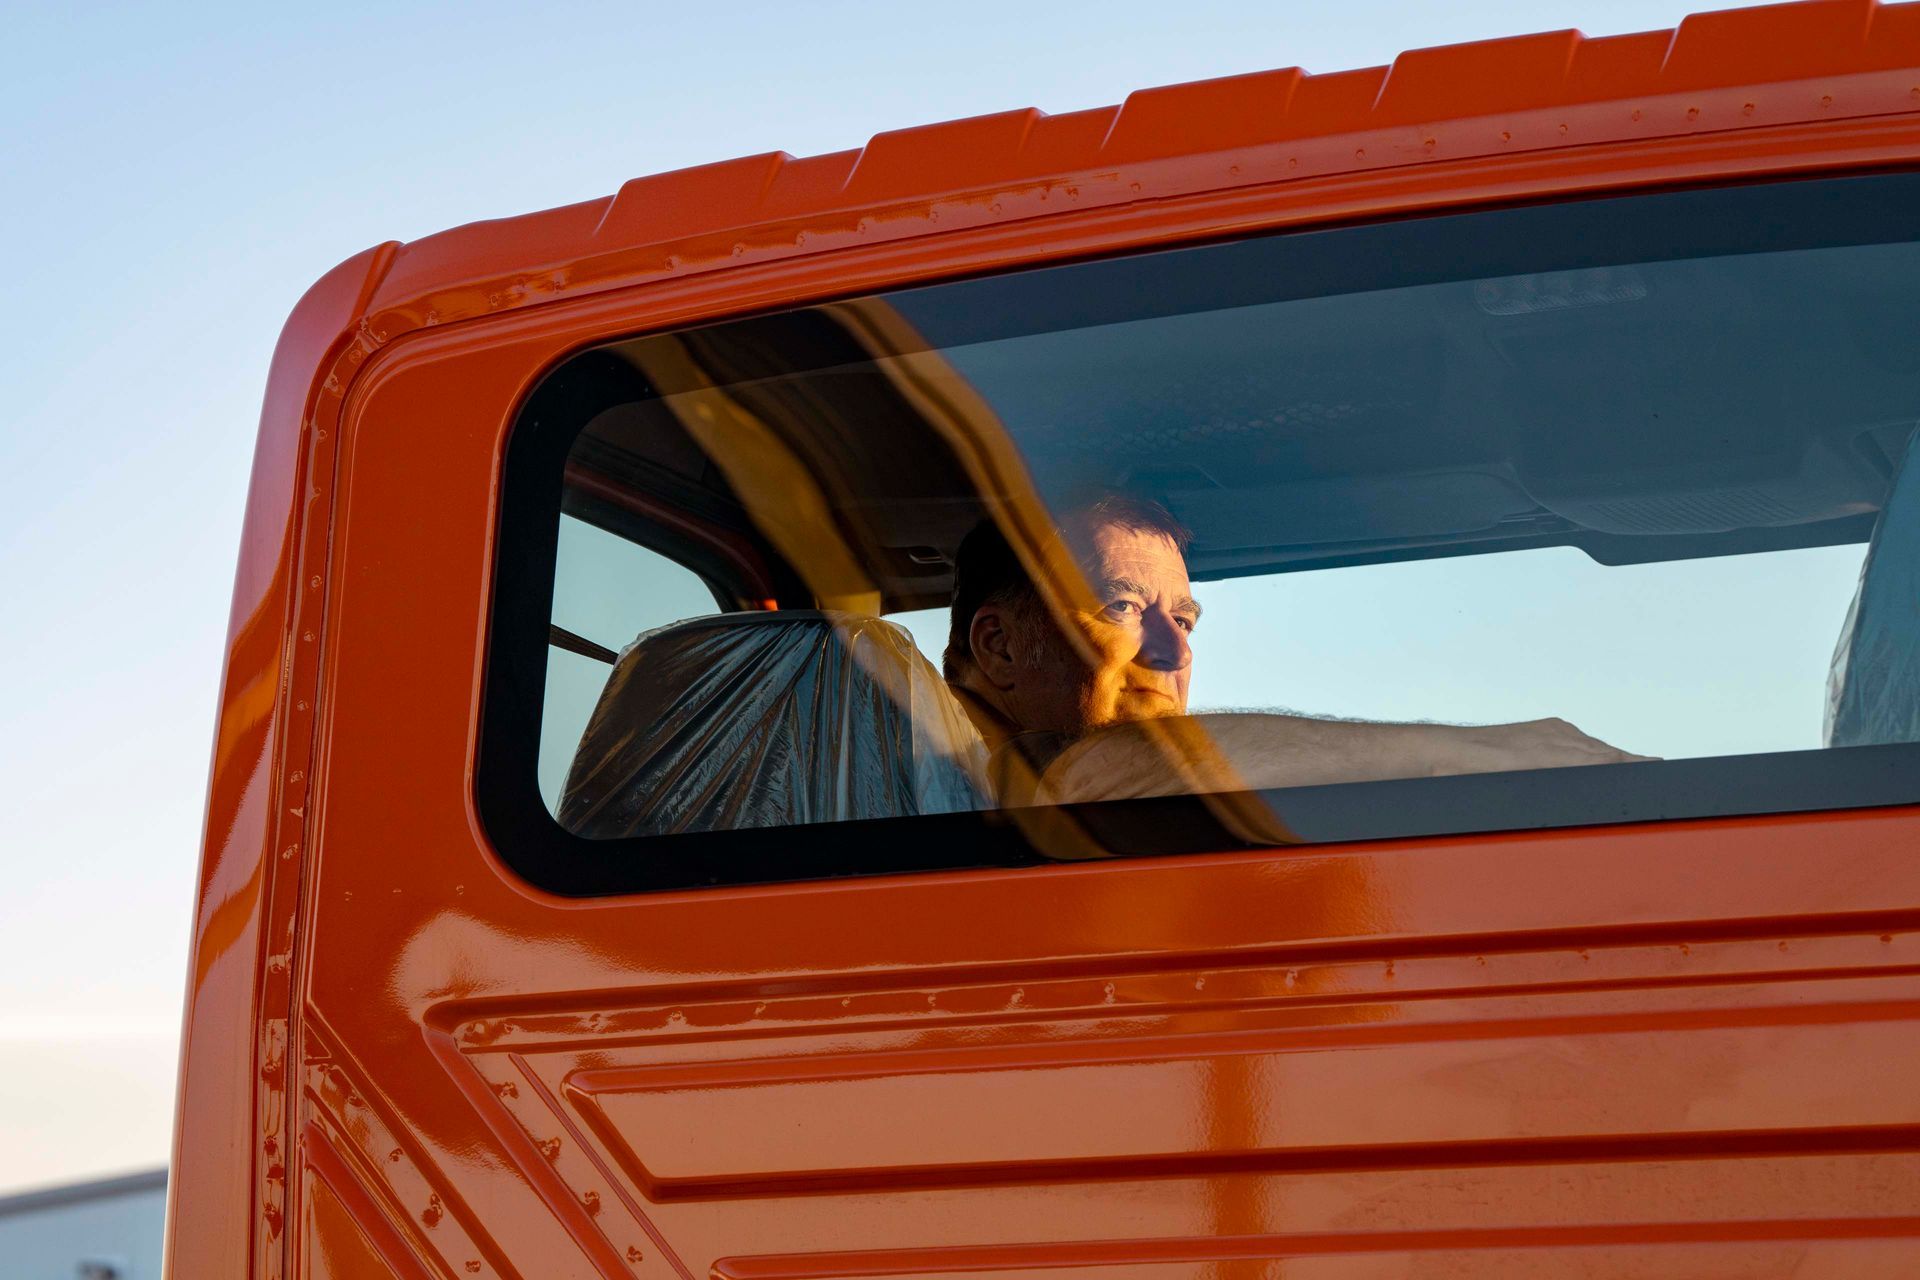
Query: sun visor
[[1742, 491]]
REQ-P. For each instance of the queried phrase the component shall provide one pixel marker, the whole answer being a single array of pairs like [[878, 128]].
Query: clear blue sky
[[175, 176]]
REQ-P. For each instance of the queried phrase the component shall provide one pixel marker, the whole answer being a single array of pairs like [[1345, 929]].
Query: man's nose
[[1163, 642]]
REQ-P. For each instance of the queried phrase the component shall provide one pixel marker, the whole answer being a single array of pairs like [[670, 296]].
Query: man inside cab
[[1094, 707]]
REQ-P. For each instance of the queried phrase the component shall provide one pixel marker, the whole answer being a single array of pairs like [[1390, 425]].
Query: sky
[[175, 177]]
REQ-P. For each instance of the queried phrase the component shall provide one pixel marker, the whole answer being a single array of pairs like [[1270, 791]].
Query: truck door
[[668, 915]]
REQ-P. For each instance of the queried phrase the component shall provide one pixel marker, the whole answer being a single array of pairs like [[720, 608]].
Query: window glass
[[1596, 512], [606, 591], [1678, 659]]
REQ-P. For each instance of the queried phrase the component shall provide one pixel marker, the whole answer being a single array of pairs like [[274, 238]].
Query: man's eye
[[1123, 608], [1186, 624]]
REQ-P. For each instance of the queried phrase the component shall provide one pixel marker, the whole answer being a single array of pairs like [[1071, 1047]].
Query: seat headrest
[[770, 719], [1873, 687]]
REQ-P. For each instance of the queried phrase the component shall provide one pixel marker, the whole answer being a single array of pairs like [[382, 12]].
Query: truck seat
[[1873, 690], [770, 719]]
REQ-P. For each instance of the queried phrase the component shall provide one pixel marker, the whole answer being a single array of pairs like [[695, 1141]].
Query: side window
[[606, 592], [1570, 515]]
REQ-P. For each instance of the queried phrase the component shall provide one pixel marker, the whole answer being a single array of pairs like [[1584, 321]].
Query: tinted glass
[[1599, 511]]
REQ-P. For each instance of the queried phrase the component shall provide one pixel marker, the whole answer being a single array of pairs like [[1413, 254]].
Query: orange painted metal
[[1677, 1049]]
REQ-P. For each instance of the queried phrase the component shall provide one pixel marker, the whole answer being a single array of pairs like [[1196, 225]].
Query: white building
[[109, 1229]]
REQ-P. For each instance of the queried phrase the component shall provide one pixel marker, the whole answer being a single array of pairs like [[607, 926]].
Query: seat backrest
[[770, 719], [1873, 688]]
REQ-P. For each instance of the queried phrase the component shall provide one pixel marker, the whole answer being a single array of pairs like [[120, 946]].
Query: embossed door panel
[[1468, 1104], [1647, 1254], [956, 1116]]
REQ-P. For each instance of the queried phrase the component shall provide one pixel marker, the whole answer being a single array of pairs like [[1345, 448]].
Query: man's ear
[[992, 644]]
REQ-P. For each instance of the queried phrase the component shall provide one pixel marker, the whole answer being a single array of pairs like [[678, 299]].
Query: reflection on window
[[1635, 496]]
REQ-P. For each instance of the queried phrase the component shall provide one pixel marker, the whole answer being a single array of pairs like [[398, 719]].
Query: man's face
[[1137, 659]]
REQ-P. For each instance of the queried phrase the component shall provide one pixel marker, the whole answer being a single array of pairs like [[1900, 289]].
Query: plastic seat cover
[[770, 719], [1873, 687]]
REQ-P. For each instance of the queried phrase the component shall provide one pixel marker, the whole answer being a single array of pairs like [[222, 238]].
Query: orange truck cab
[[606, 874]]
